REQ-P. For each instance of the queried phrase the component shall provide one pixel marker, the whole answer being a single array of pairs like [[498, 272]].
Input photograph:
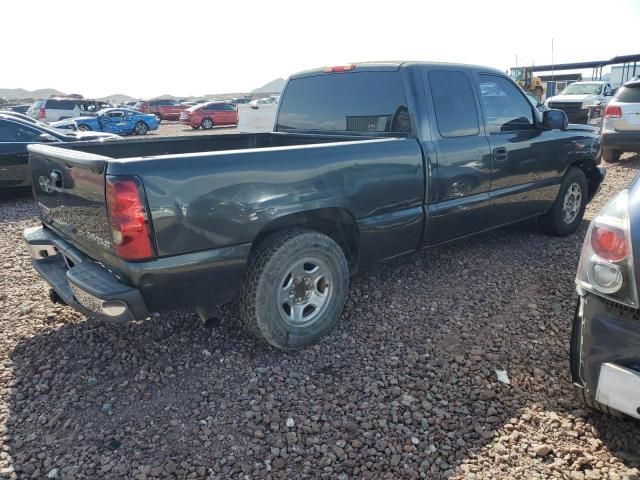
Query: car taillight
[[606, 263], [42, 113], [128, 218], [612, 111], [609, 243]]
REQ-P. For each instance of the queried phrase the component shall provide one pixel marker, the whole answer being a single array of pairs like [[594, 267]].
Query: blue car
[[121, 121]]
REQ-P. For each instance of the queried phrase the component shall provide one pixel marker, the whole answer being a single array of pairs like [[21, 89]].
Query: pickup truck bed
[[243, 184]]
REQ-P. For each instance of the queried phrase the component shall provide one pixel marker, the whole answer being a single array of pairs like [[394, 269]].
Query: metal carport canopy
[[582, 65]]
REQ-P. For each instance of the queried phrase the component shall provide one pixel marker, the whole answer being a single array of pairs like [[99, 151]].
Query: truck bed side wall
[[208, 201]]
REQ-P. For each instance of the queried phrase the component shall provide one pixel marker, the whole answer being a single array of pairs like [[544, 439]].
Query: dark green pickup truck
[[366, 162]]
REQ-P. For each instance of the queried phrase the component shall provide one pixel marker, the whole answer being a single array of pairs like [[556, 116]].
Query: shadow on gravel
[[405, 386]]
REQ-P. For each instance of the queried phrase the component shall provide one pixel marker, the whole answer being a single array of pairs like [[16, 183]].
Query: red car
[[162, 108], [208, 115]]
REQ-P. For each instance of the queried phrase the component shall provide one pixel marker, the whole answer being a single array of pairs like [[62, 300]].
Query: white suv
[[59, 108], [621, 123]]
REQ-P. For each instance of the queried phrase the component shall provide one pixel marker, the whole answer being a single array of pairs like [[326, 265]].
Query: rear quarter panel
[[213, 200]]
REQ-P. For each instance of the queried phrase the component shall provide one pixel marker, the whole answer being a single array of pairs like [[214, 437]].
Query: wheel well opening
[[338, 224], [594, 177]]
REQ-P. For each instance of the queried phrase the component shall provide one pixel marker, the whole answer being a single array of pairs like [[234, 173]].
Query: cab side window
[[454, 103], [505, 107]]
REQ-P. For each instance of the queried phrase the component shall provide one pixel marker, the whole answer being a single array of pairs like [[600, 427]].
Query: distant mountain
[[117, 98], [274, 86], [19, 93]]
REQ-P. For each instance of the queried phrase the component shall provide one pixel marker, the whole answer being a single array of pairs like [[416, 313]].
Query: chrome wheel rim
[[140, 129], [572, 203], [206, 123], [304, 292]]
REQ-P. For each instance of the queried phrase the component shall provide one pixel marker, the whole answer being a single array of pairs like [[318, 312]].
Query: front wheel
[[141, 128], [295, 288], [158, 117], [566, 214]]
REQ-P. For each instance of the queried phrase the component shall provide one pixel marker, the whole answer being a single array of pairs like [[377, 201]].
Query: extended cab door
[[460, 204], [526, 163]]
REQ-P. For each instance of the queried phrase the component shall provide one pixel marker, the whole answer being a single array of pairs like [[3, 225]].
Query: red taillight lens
[[340, 68], [612, 111], [42, 113], [128, 218], [609, 243]]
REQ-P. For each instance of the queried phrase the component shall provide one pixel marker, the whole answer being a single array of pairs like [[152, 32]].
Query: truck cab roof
[[387, 66]]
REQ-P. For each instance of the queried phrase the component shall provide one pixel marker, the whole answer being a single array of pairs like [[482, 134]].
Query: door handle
[[500, 154]]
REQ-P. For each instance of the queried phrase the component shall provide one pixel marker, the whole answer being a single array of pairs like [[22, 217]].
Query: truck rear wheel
[[295, 288], [566, 214]]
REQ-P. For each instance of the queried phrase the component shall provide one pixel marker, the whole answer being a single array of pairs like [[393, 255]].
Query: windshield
[[583, 89]]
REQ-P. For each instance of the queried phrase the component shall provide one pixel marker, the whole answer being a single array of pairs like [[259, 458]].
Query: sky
[[149, 48]]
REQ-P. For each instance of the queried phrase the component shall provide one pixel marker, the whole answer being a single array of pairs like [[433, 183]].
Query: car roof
[[632, 83], [392, 66]]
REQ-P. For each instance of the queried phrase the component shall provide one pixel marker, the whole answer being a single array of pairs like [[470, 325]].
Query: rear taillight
[[42, 113], [606, 263], [612, 111], [128, 218], [609, 243]]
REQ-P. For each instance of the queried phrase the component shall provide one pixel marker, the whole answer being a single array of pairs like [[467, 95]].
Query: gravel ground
[[404, 387]]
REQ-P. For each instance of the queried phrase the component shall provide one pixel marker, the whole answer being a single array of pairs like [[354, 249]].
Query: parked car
[[16, 134], [20, 108], [621, 123], [605, 339], [122, 121], [208, 115], [59, 108], [21, 116], [163, 109], [367, 162], [263, 101], [577, 97], [240, 100]]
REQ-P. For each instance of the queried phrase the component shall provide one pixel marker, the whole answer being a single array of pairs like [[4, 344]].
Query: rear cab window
[[371, 102]]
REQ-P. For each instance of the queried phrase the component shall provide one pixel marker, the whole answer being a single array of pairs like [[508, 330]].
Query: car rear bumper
[[79, 281], [605, 353], [202, 278], [625, 141]]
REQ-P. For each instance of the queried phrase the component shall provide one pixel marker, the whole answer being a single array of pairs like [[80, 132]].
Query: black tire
[[83, 127], [141, 128], [206, 123], [158, 116], [599, 406], [610, 156], [554, 222], [260, 307]]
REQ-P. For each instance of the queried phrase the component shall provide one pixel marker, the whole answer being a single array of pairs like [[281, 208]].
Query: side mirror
[[47, 138], [555, 120]]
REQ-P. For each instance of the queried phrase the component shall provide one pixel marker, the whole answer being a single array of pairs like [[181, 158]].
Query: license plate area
[[619, 388]]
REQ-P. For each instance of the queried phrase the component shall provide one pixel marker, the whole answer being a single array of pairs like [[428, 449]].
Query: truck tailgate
[[69, 188]]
